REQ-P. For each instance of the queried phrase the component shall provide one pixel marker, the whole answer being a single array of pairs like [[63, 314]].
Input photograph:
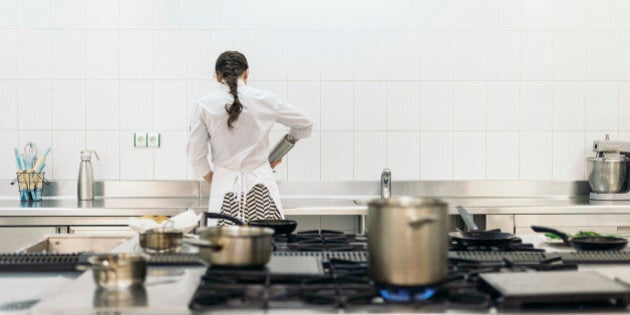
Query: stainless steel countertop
[[304, 205], [168, 291]]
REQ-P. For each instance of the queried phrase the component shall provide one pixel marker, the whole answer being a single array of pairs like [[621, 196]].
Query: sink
[[70, 243]]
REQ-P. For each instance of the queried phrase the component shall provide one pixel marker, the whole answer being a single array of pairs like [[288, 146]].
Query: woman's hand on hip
[[275, 163], [208, 177]]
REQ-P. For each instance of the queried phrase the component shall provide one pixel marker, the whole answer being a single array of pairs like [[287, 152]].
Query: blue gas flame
[[404, 295]]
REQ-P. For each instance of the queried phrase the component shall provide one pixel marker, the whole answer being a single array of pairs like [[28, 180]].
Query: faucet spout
[[386, 183]]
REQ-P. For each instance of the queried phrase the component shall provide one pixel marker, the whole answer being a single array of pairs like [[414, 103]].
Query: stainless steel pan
[[234, 246]]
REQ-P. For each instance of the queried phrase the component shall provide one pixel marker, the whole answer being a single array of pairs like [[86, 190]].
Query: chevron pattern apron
[[257, 205]]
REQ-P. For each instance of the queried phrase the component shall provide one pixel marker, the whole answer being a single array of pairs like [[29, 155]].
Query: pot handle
[[542, 229], [416, 223], [215, 215], [203, 243]]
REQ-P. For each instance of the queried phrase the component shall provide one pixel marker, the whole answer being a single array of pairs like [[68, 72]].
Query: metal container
[[234, 246], [408, 242], [161, 240], [607, 174], [282, 148], [118, 271], [85, 183]]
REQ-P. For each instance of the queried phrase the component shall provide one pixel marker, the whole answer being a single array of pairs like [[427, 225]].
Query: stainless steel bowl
[[607, 174], [161, 240], [118, 271]]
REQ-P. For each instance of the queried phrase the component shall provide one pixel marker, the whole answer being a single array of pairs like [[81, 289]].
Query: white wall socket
[[154, 139], [140, 140]]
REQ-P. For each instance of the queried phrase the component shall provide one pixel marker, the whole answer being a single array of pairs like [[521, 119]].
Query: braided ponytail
[[229, 67]]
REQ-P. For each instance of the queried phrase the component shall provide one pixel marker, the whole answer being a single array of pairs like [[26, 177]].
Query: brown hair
[[229, 67]]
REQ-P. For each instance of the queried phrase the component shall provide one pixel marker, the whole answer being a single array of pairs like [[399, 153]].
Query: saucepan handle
[[204, 244], [215, 215], [418, 222], [542, 229]]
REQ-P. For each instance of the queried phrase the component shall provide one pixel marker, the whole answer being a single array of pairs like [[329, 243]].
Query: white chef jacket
[[239, 155]]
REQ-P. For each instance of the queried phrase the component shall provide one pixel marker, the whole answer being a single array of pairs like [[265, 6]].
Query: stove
[[320, 241], [344, 284]]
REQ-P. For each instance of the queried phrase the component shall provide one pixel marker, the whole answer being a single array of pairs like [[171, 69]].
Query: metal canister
[[408, 241], [282, 148]]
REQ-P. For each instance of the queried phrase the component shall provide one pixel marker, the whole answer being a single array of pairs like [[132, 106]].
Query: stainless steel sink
[[69, 243]]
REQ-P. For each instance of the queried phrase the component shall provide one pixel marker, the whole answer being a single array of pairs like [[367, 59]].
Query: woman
[[235, 120]]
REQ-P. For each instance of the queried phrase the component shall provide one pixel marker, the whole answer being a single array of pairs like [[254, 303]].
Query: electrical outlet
[[140, 140], [154, 139]]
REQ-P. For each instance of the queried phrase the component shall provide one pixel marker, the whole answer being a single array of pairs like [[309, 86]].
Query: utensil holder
[[30, 185]]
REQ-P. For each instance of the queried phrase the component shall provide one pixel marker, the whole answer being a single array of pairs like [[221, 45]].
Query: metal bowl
[[607, 174], [118, 271], [161, 240]]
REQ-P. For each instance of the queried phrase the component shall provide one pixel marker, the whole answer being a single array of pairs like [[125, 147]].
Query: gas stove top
[[344, 282]]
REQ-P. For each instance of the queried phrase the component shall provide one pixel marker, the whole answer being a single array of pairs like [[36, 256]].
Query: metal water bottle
[[85, 184], [282, 148]]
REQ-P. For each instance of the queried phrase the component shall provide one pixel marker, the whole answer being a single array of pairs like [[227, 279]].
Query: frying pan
[[278, 226], [475, 237], [586, 242]]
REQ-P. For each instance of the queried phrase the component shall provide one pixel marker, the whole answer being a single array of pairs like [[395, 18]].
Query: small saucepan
[[234, 246], [475, 237], [586, 242], [278, 226], [161, 240]]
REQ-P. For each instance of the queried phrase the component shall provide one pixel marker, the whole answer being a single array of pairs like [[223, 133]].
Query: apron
[[247, 195]]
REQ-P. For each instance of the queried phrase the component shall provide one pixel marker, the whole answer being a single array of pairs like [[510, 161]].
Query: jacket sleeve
[[197, 146], [296, 119]]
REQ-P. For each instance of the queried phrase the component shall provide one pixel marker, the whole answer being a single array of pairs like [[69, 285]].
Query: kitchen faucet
[[386, 183]]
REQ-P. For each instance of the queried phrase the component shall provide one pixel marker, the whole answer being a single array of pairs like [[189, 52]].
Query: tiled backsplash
[[434, 89]]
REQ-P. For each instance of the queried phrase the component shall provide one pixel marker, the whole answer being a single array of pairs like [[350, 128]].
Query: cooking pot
[[161, 240], [117, 271], [607, 174], [408, 242], [234, 246]]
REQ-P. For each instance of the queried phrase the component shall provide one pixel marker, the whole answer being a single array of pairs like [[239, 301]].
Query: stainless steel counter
[[306, 205], [168, 291]]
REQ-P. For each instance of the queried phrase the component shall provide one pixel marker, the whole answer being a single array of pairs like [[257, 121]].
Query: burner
[[407, 295]]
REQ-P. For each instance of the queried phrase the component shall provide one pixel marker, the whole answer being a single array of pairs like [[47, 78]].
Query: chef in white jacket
[[232, 125]]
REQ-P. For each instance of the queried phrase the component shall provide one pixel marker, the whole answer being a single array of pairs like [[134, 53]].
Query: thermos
[[282, 148], [85, 184]]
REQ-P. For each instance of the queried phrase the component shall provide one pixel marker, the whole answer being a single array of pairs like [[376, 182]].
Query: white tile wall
[[8, 54], [68, 104], [452, 89], [8, 97], [67, 13], [370, 154]]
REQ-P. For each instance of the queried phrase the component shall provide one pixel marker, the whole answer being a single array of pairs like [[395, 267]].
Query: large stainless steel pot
[[408, 241], [234, 246], [607, 174]]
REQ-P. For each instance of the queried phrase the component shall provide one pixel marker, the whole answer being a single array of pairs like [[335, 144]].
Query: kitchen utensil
[[282, 148], [117, 271], [85, 184], [586, 242], [161, 240], [278, 226], [408, 243], [39, 165], [30, 152], [607, 174], [475, 237], [234, 246]]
